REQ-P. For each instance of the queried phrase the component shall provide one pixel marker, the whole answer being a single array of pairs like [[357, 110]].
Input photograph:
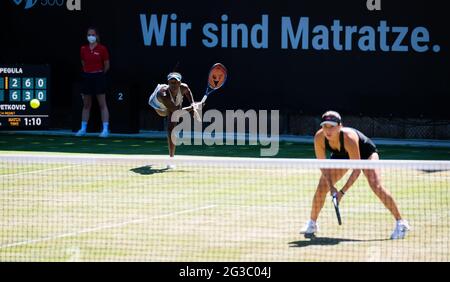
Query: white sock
[[105, 126], [83, 125]]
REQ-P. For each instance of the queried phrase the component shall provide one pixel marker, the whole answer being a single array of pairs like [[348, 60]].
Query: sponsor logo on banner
[[71, 5]]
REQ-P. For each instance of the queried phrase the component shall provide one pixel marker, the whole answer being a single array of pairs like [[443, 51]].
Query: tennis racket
[[336, 208], [216, 78]]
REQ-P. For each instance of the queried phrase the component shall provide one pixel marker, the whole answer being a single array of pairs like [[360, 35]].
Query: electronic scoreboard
[[24, 97]]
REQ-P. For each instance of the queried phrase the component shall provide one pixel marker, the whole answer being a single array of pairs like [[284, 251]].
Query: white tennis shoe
[[80, 133], [310, 228], [401, 228], [104, 134]]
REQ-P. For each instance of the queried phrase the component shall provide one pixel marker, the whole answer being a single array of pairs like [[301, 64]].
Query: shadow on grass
[[327, 241], [148, 170], [432, 170]]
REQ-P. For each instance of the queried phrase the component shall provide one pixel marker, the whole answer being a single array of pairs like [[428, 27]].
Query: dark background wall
[[395, 84]]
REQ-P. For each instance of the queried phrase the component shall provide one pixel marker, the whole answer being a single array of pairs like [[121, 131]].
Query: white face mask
[[91, 38]]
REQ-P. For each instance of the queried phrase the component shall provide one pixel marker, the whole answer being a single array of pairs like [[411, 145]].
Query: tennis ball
[[35, 103]]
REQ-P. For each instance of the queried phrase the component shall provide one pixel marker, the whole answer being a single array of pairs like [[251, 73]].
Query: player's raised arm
[[193, 106]]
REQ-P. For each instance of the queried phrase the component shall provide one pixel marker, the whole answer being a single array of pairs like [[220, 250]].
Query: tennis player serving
[[347, 143], [168, 98]]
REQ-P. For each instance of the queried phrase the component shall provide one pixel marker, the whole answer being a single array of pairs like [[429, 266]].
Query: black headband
[[331, 118]]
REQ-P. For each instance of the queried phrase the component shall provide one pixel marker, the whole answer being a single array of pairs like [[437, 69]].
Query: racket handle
[[199, 103], [190, 107], [336, 208]]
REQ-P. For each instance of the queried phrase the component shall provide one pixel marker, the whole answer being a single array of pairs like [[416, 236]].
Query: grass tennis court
[[133, 146], [136, 210]]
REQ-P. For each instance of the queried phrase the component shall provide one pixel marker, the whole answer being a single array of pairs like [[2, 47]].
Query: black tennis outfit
[[366, 147]]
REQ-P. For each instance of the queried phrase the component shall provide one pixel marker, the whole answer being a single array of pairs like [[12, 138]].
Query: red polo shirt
[[94, 59]]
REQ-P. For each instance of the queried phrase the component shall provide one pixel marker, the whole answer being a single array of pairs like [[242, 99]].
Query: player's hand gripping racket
[[216, 78], [336, 207]]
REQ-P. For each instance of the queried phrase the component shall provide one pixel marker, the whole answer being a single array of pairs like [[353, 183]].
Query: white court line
[[101, 227], [40, 170]]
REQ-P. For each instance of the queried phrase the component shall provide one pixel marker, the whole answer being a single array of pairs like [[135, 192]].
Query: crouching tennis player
[[168, 98], [347, 143]]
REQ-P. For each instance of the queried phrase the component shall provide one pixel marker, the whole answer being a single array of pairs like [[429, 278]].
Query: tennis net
[[114, 208]]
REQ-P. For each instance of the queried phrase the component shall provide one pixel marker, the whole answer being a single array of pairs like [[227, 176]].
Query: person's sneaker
[[401, 228], [80, 133], [104, 134], [171, 166], [309, 229]]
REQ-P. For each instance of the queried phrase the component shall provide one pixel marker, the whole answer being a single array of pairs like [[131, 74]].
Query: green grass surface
[[139, 211], [94, 145]]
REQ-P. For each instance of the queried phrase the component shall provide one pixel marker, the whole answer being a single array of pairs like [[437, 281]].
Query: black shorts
[[93, 83]]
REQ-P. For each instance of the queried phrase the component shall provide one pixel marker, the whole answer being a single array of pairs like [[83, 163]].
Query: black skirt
[[93, 83]]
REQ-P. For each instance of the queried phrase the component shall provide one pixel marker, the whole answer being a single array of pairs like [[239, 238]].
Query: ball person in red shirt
[[95, 63]]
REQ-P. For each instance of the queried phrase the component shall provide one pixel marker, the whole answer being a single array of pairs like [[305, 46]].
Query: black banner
[[294, 56]]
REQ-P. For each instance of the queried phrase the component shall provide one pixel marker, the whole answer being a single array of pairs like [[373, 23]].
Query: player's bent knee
[[377, 188], [372, 178], [322, 187]]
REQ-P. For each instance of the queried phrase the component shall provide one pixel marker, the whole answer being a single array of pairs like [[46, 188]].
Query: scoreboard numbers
[[19, 84]]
